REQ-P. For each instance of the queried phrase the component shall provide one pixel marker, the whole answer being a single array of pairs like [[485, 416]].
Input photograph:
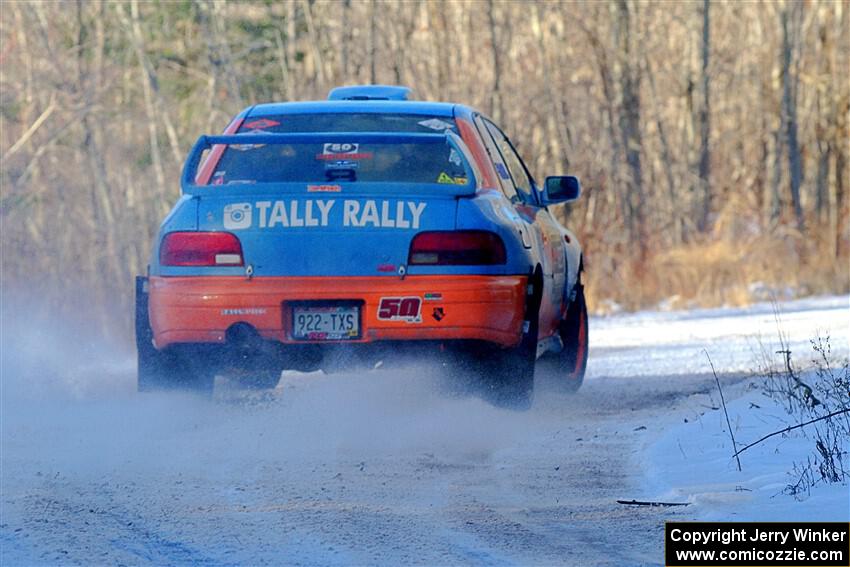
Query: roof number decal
[[342, 151]]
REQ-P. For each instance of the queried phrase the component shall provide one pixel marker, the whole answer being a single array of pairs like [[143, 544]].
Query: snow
[[663, 342], [692, 462], [387, 467]]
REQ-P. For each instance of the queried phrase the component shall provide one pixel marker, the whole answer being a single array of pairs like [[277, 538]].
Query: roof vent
[[370, 92]]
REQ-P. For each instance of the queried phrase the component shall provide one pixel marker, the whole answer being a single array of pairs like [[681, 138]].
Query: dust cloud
[[69, 406]]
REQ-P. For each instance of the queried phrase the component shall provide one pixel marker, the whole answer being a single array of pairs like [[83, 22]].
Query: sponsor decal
[[276, 213], [345, 158], [246, 147], [342, 151], [324, 188], [386, 267], [370, 213], [445, 178], [244, 311], [389, 217], [436, 124], [342, 164], [438, 313], [237, 216], [400, 309], [502, 171], [261, 123], [433, 296]]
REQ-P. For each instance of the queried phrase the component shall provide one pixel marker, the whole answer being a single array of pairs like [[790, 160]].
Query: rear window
[[351, 162]]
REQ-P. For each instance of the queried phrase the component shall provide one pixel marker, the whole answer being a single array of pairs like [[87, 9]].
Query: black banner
[[761, 544]]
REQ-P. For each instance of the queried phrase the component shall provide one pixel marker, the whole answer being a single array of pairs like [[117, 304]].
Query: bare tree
[[645, 101], [705, 122], [630, 127], [790, 84], [495, 94]]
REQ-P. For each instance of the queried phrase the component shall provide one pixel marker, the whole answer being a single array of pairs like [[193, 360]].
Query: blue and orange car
[[313, 235]]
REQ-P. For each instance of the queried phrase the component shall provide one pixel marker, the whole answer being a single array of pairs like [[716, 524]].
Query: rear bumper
[[201, 309]]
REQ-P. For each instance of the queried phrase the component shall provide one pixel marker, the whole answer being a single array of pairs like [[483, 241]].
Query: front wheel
[[569, 366]]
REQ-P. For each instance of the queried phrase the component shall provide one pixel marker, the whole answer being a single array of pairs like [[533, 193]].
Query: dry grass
[[723, 272]]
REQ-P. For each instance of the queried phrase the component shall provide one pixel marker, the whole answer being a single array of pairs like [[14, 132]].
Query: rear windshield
[[352, 162]]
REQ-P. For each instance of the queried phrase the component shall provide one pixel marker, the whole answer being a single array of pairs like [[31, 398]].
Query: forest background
[[712, 138]]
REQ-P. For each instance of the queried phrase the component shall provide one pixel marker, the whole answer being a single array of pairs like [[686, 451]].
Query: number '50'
[[393, 307]]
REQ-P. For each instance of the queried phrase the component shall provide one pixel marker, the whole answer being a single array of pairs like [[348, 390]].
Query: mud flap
[[144, 333]]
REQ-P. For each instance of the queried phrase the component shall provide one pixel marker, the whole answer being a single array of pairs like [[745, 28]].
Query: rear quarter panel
[[183, 216]]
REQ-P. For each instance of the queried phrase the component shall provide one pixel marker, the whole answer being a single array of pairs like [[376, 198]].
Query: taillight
[[459, 247], [200, 249]]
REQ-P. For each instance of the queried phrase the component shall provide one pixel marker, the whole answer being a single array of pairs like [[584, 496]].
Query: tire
[[509, 373], [255, 373], [570, 364], [151, 369], [260, 381], [186, 369], [509, 378], [248, 360]]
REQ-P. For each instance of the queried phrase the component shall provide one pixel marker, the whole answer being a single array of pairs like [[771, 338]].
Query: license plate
[[332, 322]]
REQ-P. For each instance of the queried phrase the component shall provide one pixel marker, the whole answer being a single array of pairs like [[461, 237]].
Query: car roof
[[444, 109]]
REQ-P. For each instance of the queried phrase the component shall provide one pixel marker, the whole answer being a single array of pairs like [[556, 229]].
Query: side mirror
[[560, 189]]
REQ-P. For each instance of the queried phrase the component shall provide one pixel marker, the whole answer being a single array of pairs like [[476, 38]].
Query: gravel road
[[378, 467]]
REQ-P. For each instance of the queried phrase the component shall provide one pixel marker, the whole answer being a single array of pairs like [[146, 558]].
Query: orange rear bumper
[[200, 309]]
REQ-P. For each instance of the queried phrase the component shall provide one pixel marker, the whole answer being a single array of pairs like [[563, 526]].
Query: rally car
[[314, 234]]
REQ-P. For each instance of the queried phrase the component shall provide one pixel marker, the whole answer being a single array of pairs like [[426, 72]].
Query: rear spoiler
[[188, 186]]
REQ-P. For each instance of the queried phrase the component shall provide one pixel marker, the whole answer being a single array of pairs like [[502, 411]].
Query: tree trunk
[[705, 124], [630, 131], [666, 159], [373, 42], [790, 82], [315, 49], [495, 93]]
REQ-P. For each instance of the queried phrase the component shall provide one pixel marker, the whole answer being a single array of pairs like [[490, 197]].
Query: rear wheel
[[508, 374], [249, 360], [187, 369], [184, 370], [254, 372], [509, 377], [265, 380]]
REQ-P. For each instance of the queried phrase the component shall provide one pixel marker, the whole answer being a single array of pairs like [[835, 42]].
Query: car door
[[519, 187]]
